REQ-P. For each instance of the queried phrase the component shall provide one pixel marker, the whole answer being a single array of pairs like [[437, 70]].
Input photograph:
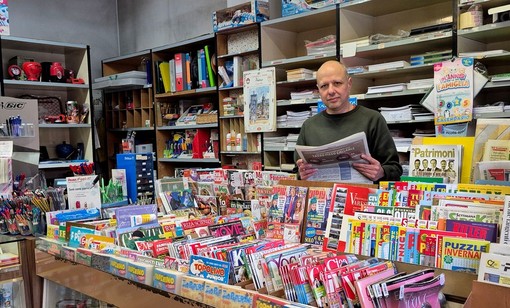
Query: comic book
[[460, 254], [319, 199]]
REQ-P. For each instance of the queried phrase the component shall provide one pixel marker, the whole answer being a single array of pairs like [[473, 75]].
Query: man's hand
[[373, 170], [305, 170]]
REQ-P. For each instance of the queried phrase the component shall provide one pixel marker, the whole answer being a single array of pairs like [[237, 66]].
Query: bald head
[[334, 87], [332, 66]]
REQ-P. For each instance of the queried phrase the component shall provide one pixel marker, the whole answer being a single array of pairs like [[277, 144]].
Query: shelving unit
[[487, 37], [176, 103], [283, 46], [128, 103], [75, 57], [237, 45]]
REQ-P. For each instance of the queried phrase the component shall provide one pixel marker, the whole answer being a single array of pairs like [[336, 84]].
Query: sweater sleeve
[[382, 148]]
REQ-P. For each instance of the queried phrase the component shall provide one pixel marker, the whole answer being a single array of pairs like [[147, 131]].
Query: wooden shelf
[[104, 286]]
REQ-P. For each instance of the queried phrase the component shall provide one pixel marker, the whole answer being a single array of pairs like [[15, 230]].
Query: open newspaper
[[333, 161]]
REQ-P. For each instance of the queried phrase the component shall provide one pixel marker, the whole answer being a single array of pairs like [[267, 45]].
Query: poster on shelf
[[259, 91], [83, 192], [453, 80]]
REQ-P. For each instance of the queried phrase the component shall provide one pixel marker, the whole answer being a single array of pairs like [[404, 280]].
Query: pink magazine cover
[[423, 294], [361, 286], [391, 289], [375, 290]]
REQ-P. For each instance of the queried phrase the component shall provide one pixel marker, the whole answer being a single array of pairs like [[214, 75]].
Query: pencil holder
[[24, 226], [3, 226], [12, 226]]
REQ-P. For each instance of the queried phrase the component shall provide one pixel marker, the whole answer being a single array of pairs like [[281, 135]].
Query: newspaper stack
[[300, 74], [296, 118], [291, 140], [313, 110], [489, 108], [304, 94], [274, 142], [281, 121], [396, 87], [420, 84]]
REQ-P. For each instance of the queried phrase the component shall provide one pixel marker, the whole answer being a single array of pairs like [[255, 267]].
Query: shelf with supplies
[[238, 50], [185, 88], [488, 41], [56, 76], [286, 45], [128, 104], [283, 39]]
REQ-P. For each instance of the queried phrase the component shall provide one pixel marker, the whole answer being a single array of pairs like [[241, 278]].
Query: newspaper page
[[333, 161]]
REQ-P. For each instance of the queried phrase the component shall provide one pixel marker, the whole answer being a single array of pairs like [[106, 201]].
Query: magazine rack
[[458, 284]]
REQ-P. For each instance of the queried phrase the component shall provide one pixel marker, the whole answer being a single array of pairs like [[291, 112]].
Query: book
[[448, 157]]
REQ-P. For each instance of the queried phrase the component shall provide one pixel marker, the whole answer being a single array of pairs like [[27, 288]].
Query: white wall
[[90, 22], [153, 23]]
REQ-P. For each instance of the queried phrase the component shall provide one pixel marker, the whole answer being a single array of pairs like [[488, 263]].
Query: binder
[[164, 69], [188, 71], [180, 64], [211, 76]]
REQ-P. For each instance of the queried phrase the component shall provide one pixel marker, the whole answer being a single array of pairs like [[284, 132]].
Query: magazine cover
[[319, 199], [259, 91], [453, 80], [460, 254], [448, 158]]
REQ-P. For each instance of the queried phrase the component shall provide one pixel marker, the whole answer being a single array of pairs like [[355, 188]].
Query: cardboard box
[[300, 6], [240, 15]]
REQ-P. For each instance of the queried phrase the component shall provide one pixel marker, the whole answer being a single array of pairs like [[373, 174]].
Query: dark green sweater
[[325, 128]]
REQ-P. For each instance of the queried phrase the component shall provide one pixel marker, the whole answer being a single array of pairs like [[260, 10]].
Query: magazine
[[436, 161], [334, 161]]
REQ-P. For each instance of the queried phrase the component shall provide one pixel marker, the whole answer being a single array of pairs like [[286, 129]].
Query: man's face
[[425, 163], [433, 163], [416, 164], [443, 164], [334, 87]]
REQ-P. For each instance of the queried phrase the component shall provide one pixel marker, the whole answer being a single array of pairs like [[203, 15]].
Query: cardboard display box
[[240, 15]]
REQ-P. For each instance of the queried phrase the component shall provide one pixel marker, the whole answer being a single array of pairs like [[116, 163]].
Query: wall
[[153, 23], [90, 22]]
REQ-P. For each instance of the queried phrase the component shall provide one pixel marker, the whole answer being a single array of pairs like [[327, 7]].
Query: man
[[425, 165], [434, 168], [416, 170], [342, 119]]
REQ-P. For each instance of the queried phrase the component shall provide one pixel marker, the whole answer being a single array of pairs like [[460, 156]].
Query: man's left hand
[[373, 170]]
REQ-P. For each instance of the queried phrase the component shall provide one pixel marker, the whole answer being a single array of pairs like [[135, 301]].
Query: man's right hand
[[305, 170]]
